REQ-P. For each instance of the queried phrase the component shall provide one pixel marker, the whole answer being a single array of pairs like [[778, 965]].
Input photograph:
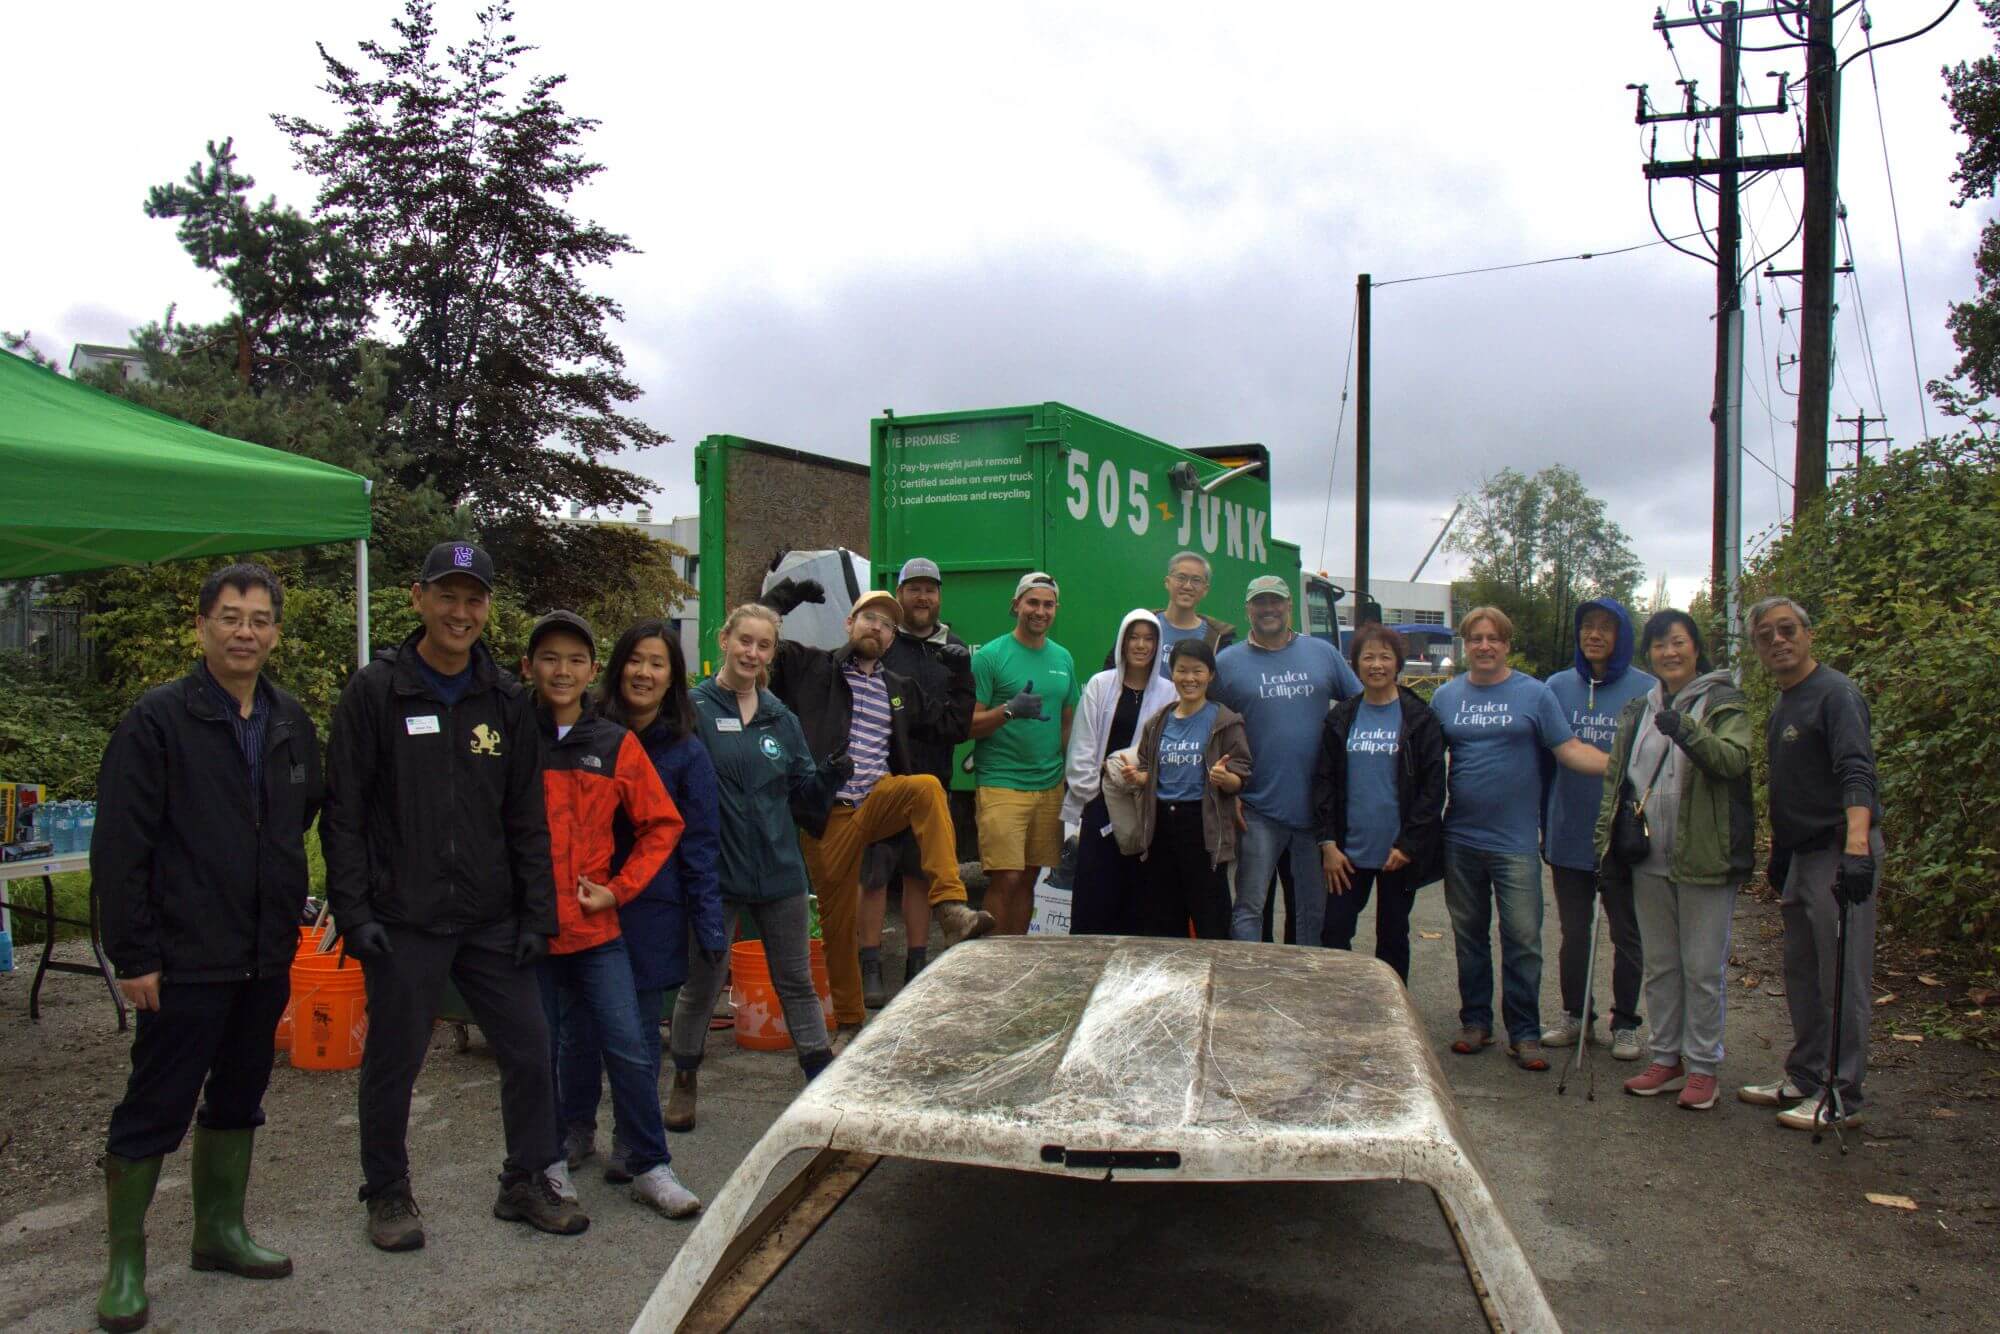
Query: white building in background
[[1402, 603], [684, 531], [86, 357]]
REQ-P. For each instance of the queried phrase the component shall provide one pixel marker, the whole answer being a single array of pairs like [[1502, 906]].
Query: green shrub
[[47, 735]]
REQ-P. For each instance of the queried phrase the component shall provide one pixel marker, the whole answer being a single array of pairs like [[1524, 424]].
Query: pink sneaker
[[1657, 1078], [1699, 1095]]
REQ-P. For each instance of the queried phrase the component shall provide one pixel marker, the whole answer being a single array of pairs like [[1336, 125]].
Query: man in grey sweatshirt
[[1825, 835]]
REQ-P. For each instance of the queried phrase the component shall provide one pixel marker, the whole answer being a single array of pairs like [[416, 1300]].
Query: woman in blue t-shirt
[[1378, 801], [1193, 760]]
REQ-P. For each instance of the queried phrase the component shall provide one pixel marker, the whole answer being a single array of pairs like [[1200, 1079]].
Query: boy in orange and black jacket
[[591, 770]]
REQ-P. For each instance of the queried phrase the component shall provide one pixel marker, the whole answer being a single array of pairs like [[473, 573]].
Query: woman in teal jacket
[[762, 767], [1684, 749]]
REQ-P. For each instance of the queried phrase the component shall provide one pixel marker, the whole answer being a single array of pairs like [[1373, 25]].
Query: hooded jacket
[[1592, 705], [763, 770], [1420, 783], [1714, 825], [942, 716], [1217, 634], [1090, 731], [434, 815], [591, 776], [193, 880]]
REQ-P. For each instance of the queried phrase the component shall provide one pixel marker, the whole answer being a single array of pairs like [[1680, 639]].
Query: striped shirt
[[249, 732], [867, 732]]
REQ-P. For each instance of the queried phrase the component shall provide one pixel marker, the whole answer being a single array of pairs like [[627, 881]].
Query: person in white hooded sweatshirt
[[1116, 703]]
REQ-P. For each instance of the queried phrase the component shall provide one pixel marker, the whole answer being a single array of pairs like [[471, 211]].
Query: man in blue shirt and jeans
[[1282, 683], [1497, 722]]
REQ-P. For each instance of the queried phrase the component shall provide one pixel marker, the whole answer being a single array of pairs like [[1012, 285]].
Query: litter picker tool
[[1589, 974], [1831, 1106]]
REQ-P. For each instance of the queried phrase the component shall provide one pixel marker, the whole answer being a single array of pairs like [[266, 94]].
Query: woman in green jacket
[[762, 768], [1683, 749]]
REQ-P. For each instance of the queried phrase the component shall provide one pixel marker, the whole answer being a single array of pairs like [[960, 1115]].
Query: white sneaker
[[1816, 1113], [1625, 1044], [558, 1176], [1777, 1093], [1563, 1032], [658, 1188]]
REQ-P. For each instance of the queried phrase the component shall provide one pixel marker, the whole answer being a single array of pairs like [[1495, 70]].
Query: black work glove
[[786, 594], [1855, 881], [954, 656], [839, 767], [1027, 704], [530, 948], [368, 942], [1669, 723]]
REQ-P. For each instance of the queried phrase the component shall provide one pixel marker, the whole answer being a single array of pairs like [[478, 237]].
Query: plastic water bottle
[[86, 824], [63, 841]]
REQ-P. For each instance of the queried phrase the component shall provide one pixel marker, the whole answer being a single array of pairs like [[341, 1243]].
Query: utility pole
[[1363, 289], [1822, 158], [1859, 421]]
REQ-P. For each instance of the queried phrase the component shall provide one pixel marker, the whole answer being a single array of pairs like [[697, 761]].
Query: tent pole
[[361, 602]]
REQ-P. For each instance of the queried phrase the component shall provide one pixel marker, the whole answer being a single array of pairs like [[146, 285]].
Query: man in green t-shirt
[[1021, 682]]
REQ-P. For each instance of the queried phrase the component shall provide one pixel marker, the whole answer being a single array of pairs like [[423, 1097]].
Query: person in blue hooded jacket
[[646, 689], [1592, 694]]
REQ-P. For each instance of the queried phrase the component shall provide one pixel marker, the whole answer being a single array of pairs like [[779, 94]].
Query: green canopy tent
[[91, 480]]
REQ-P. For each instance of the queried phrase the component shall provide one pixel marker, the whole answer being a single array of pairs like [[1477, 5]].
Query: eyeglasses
[[231, 622], [875, 618], [1189, 580], [1781, 630]]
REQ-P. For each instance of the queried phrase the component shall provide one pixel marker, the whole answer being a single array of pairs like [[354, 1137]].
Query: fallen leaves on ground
[[1751, 979], [1431, 935], [1885, 1000], [1892, 1201], [1928, 980], [1907, 1037], [1944, 1113]]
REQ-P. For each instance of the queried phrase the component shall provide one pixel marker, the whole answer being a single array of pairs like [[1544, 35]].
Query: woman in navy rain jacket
[[646, 689]]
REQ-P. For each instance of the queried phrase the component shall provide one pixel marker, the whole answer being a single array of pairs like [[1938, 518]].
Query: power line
[[1333, 467], [1861, 306], [1532, 263], [1895, 216], [1873, 47]]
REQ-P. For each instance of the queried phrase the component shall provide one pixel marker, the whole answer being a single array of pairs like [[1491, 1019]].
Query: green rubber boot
[[220, 1172], [128, 1193]]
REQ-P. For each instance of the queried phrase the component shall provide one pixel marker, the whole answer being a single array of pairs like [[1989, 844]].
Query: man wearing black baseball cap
[[437, 868]]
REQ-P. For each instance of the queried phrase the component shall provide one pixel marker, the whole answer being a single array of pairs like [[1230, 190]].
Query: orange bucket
[[309, 938], [330, 1013], [760, 1016]]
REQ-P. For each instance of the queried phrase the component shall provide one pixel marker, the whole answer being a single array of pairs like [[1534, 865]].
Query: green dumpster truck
[[990, 495]]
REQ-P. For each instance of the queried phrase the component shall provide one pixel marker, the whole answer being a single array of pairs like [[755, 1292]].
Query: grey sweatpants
[[1812, 917], [1684, 935], [783, 925]]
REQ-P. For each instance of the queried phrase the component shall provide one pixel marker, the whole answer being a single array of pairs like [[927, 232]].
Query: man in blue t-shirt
[[1592, 695], [1497, 723], [1282, 683]]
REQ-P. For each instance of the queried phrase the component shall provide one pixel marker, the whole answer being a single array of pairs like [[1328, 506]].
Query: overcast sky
[[1154, 212]]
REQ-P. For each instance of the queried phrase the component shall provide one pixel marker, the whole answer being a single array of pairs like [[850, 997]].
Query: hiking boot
[[1528, 1054], [558, 1175], [394, 1223], [1625, 1045], [1699, 1095], [1656, 1079], [658, 1188], [128, 1194], [579, 1145], [534, 1200], [1563, 1032], [873, 994], [1816, 1113], [959, 922], [679, 1116], [219, 1171], [914, 963], [1472, 1039], [1777, 1093], [616, 1172]]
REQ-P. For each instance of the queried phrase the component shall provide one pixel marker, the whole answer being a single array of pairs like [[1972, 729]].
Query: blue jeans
[[1263, 841], [599, 980], [1473, 879], [580, 1063]]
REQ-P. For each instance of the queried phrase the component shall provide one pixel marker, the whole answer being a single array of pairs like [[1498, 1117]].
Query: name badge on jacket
[[427, 725]]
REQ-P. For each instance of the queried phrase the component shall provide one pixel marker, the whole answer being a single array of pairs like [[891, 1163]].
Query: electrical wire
[[1533, 263], [1870, 49], [1861, 307], [1333, 465], [1895, 216]]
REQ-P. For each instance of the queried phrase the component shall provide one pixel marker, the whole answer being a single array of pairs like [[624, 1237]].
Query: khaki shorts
[[1019, 829]]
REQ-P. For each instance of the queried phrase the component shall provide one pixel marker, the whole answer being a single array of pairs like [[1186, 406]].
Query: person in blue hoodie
[[1592, 694]]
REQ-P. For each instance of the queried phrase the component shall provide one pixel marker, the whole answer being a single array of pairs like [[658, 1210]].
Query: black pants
[[1182, 886], [405, 993], [214, 1032], [1392, 916], [1106, 896], [1574, 890]]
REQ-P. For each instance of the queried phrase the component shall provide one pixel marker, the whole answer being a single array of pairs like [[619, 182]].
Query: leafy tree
[[300, 305], [507, 385], [1539, 546], [1972, 90]]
